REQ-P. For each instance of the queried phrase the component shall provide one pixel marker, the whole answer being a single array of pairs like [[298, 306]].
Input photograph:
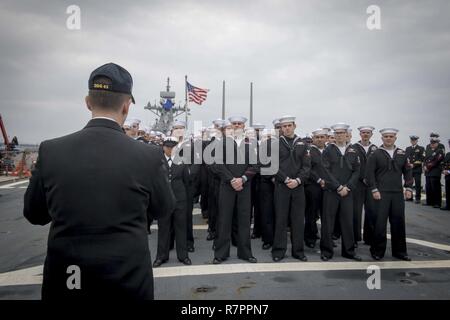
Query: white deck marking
[[13, 185], [33, 275]]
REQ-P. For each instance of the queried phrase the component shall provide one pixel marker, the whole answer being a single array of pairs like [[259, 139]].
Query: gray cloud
[[315, 60]]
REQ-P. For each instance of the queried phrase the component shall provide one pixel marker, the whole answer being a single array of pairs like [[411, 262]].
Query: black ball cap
[[121, 80]]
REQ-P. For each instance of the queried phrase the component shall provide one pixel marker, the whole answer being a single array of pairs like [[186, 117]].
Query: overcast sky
[[316, 60]]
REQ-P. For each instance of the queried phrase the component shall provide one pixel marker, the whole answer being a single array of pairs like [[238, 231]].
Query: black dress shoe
[[266, 246], [301, 258], [310, 245], [190, 249], [217, 261], [157, 263], [324, 258], [186, 261], [252, 260], [375, 257], [445, 208], [354, 257], [404, 258], [211, 236], [277, 259], [436, 206]]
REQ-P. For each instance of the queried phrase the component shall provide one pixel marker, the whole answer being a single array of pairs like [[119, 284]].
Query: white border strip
[[12, 185], [33, 275]]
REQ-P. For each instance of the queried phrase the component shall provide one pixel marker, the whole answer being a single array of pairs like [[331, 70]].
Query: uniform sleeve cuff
[[244, 177], [299, 181], [339, 188], [318, 180], [287, 179]]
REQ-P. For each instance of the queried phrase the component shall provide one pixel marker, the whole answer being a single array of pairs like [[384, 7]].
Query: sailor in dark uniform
[[416, 156], [434, 155], [256, 184], [313, 187], [178, 175], [266, 199], [235, 174], [446, 172], [436, 136], [294, 171], [384, 172], [362, 196], [341, 166], [214, 183]]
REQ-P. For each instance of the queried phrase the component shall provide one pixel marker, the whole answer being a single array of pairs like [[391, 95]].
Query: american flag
[[196, 95]]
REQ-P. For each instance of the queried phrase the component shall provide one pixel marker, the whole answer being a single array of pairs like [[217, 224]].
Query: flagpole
[[186, 99], [223, 100], [251, 104]]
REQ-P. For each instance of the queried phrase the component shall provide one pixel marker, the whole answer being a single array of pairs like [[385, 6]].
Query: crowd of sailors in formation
[[352, 189]]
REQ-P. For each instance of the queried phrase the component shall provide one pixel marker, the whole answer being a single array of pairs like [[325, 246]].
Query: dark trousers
[[418, 184], [267, 211], [213, 204], [289, 206], [189, 217], [334, 204], [370, 217], [434, 191], [177, 221], [204, 190], [256, 187], [314, 198], [229, 199], [391, 207], [447, 191]]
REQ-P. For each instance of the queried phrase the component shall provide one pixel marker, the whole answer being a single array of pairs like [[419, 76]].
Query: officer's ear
[[88, 104]]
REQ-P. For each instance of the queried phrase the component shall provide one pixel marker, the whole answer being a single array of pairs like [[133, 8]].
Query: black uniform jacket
[[340, 169], [96, 187], [295, 160], [384, 173], [363, 156], [416, 156], [236, 160], [433, 160]]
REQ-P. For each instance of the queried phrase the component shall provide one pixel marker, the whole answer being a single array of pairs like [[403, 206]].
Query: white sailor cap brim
[[259, 126], [276, 122], [179, 123], [226, 124], [388, 131], [366, 128], [340, 126], [219, 122], [320, 131], [287, 119], [237, 119]]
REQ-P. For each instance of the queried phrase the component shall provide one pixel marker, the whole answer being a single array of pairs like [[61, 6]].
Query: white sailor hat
[[287, 119], [349, 130], [219, 122], [258, 126], [276, 122], [366, 128], [226, 124], [152, 133], [388, 131], [237, 119], [170, 141], [320, 131], [179, 123], [340, 126], [249, 129]]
